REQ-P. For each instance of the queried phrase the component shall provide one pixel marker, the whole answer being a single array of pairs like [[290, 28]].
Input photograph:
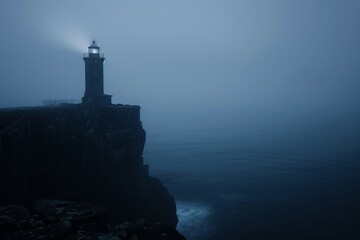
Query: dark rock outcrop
[[67, 220], [81, 153]]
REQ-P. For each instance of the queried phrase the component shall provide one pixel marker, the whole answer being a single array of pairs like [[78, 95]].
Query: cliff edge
[[81, 153]]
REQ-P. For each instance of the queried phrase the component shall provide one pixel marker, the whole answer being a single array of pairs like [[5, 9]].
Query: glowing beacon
[[94, 77]]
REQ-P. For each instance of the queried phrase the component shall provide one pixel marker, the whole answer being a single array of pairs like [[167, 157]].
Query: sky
[[189, 62]]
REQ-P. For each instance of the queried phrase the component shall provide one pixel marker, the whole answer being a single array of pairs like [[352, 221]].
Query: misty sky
[[197, 60]]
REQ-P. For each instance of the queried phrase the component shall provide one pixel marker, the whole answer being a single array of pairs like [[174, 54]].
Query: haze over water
[[251, 107], [235, 183]]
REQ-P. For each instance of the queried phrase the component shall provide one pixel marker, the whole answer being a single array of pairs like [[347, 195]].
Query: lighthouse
[[94, 77]]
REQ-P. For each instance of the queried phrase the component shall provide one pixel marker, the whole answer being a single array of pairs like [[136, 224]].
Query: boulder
[[60, 210]]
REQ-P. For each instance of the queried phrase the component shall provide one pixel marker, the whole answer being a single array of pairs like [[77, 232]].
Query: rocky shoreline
[[46, 219]]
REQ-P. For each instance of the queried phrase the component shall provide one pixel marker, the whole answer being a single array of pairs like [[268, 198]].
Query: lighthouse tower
[[94, 77]]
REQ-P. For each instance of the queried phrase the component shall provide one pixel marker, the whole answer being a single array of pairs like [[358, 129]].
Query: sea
[[261, 182]]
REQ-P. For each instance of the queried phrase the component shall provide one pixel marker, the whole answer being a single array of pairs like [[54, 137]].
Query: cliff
[[81, 153]]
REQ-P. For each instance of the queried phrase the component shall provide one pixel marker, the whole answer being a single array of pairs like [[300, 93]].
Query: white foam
[[193, 218]]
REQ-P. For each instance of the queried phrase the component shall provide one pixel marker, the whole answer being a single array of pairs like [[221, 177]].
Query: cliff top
[[67, 106]]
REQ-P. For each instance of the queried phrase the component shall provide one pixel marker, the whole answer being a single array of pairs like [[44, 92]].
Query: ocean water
[[261, 183]]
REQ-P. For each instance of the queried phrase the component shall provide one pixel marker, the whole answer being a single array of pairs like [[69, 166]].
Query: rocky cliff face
[[81, 153]]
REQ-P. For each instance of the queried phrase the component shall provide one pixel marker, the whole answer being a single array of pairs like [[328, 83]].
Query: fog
[[189, 63]]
